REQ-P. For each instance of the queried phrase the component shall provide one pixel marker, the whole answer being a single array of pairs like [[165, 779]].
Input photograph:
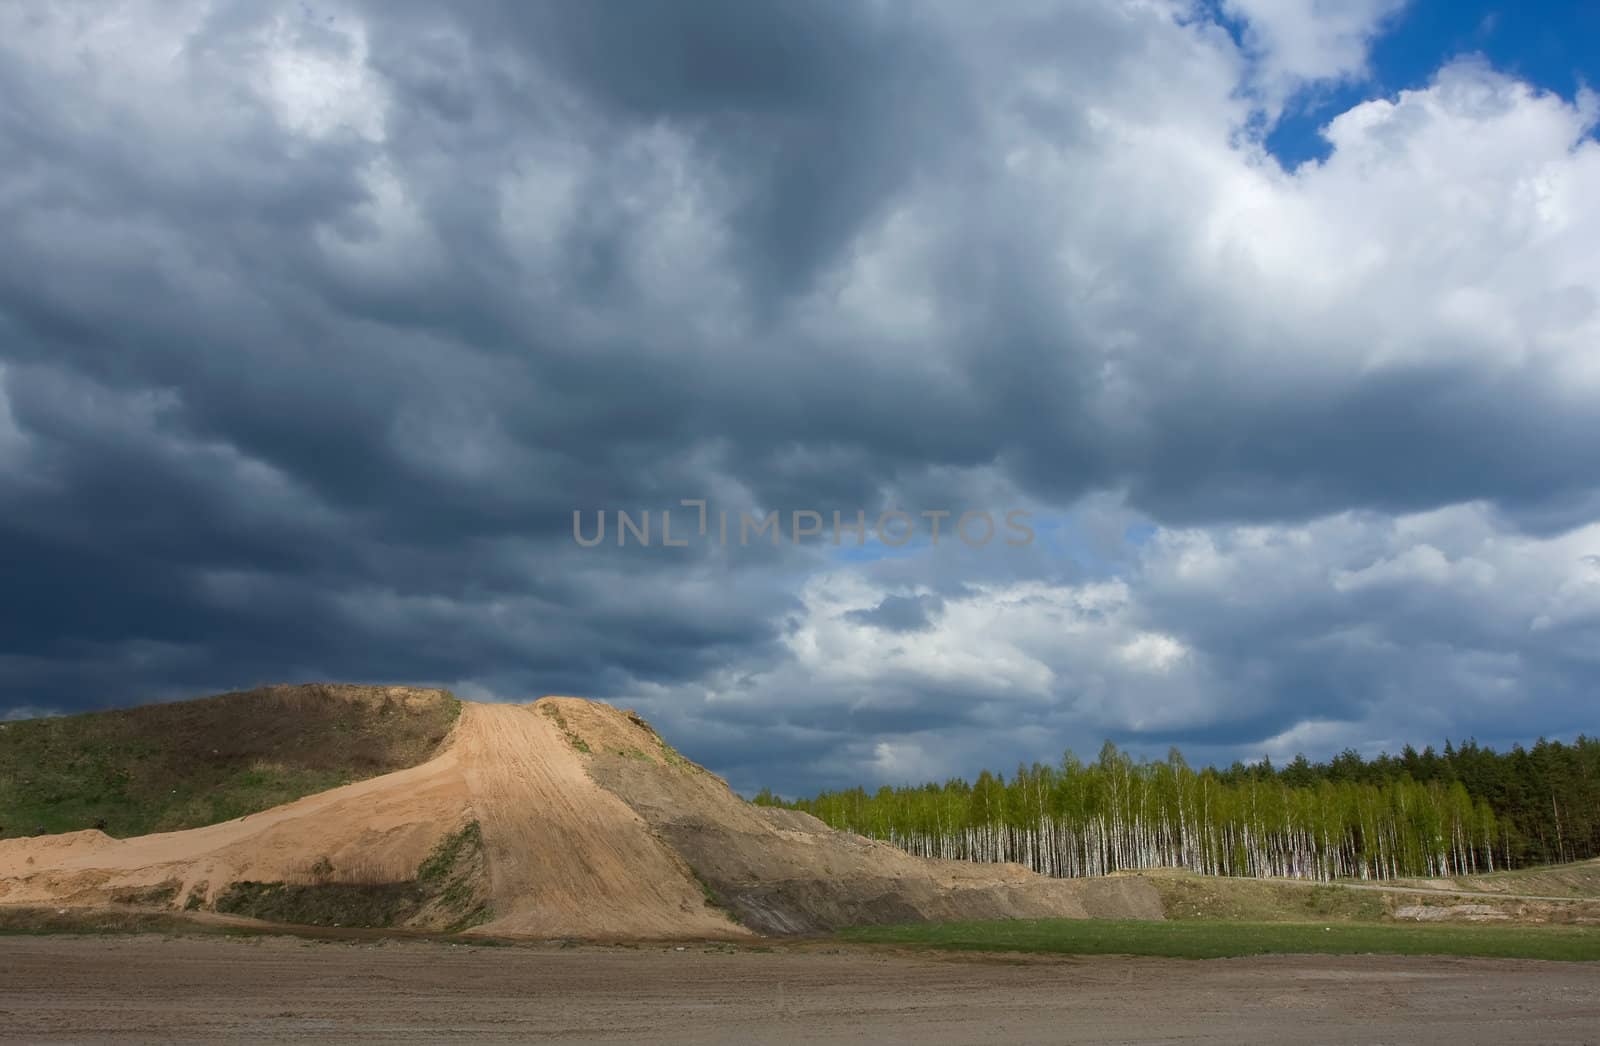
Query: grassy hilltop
[[190, 763]]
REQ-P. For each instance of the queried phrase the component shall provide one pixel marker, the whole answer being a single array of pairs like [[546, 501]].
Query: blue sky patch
[[1553, 44]]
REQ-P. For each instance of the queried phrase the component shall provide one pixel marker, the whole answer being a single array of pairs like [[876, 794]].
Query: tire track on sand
[[565, 856]]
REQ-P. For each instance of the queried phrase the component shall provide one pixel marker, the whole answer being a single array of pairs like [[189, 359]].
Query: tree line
[[1468, 809]]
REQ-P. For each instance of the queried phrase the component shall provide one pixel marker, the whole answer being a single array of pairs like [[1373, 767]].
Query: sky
[[1276, 321]]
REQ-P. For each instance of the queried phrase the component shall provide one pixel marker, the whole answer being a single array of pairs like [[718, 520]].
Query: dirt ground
[[147, 989]]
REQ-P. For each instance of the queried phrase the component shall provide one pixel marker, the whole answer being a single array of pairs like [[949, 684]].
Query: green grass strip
[[1217, 939]]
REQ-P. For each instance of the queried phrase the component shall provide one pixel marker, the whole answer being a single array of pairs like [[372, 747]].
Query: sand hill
[[560, 818]]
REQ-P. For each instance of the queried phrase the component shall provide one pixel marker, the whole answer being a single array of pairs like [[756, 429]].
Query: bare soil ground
[[1186, 895], [148, 989], [1555, 882]]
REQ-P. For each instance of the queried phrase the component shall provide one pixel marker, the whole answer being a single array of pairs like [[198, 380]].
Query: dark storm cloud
[[816, 111], [1420, 438], [900, 613], [317, 325]]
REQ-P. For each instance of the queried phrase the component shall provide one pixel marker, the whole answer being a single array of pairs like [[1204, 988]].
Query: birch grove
[[1115, 814]]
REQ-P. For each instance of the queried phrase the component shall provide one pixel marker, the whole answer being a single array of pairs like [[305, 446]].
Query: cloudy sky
[[1281, 318]]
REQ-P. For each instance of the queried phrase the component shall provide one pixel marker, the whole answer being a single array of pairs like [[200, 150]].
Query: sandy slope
[[606, 842], [565, 856]]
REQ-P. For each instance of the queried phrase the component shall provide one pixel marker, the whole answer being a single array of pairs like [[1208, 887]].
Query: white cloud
[[1152, 652], [314, 72], [19, 712], [1576, 600], [1405, 629], [1420, 564], [174, 69], [1448, 225], [904, 761], [1304, 41]]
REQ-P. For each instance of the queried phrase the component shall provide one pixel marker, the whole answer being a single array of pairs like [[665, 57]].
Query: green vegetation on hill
[[553, 713], [1216, 939], [446, 894], [1188, 896], [190, 763]]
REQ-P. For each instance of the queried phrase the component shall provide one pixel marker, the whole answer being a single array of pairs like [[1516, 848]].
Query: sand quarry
[[697, 906], [591, 827]]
